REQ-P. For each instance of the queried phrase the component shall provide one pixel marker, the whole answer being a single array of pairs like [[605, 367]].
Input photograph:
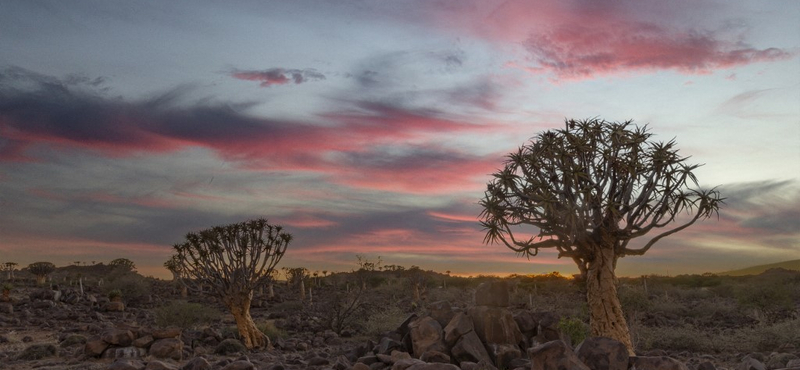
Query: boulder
[[601, 353], [170, 332], [495, 325], [435, 356], [492, 293], [124, 352], [197, 363], [504, 354], [119, 337], [441, 312], [171, 348], [114, 306], [126, 364], [469, 348], [554, 355], [433, 366], [158, 365], [656, 363], [426, 335], [240, 365], [95, 346], [458, 326]]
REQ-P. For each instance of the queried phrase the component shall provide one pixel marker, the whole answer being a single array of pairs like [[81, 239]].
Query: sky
[[372, 127]]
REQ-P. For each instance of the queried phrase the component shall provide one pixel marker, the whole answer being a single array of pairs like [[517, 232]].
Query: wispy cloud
[[278, 76]]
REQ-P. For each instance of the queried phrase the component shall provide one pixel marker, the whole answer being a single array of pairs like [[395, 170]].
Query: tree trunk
[[416, 293], [271, 291], [302, 290], [605, 312], [251, 337], [40, 279], [184, 291]]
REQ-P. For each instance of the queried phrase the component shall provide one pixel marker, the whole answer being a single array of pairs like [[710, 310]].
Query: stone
[[526, 322], [124, 352], [7, 308], [441, 312], [706, 365], [171, 348], [602, 353], [779, 360], [126, 364], [240, 365], [554, 355], [406, 363], [426, 335], [469, 349], [197, 363], [656, 363], [387, 345], [158, 365], [95, 346], [120, 337], [492, 293], [114, 306], [403, 329], [495, 325], [43, 305], [435, 356], [230, 346], [503, 354], [170, 332], [143, 342], [483, 365], [458, 326], [433, 366], [791, 364], [318, 361], [360, 366]]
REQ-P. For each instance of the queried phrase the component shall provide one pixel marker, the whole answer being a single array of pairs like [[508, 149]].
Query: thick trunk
[[605, 312], [250, 335], [184, 291], [40, 279], [302, 291], [416, 293], [271, 291]]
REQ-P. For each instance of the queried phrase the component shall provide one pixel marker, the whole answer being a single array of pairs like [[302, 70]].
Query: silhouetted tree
[[587, 190], [41, 270], [234, 260], [123, 263]]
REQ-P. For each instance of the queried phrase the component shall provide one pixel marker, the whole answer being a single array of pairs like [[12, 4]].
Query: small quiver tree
[[586, 191], [175, 267], [234, 260], [10, 267], [41, 270]]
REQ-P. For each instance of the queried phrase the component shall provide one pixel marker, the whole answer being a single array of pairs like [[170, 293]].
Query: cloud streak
[[278, 76]]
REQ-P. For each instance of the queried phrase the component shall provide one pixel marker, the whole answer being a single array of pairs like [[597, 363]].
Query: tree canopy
[[568, 185]]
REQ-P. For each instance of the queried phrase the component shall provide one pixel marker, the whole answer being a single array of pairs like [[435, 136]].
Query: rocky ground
[[486, 326]]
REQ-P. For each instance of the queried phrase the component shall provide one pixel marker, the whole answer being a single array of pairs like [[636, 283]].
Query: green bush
[[270, 330], [633, 300], [575, 329], [132, 285], [185, 315], [769, 299]]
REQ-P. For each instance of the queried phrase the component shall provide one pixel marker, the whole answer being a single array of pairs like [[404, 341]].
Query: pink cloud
[[577, 40], [278, 76]]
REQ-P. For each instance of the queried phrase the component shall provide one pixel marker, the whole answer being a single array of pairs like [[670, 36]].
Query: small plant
[[7, 291], [574, 329], [115, 295], [185, 315], [270, 330]]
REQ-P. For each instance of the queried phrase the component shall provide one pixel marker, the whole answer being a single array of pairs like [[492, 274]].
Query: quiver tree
[[41, 270], [9, 267], [297, 277], [234, 260], [586, 191], [418, 281], [176, 268]]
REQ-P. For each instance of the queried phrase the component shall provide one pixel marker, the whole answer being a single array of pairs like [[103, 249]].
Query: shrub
[[573, 328], [633, 300], [769, 299], [383, 320], [270, 330], [185, 315], [132, 286]]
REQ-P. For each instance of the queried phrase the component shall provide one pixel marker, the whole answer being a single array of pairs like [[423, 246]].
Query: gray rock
[[601, 353], [426, 335], [240, 365], [158, 365], [554, 355], [435, 356], [656, 363], [441, 312], [126, 364], [197, 363], [171, 348], [492, 293], [470, 349], [119, 337], [458, 326]]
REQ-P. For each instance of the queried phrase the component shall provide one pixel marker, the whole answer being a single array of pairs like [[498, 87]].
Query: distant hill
[[755, 270]]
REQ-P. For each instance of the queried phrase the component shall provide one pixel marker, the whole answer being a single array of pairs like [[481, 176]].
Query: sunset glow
[[372, 128]]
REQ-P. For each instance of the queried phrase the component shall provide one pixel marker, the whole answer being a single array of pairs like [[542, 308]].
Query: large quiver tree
[[234, 260], [586, 191]]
